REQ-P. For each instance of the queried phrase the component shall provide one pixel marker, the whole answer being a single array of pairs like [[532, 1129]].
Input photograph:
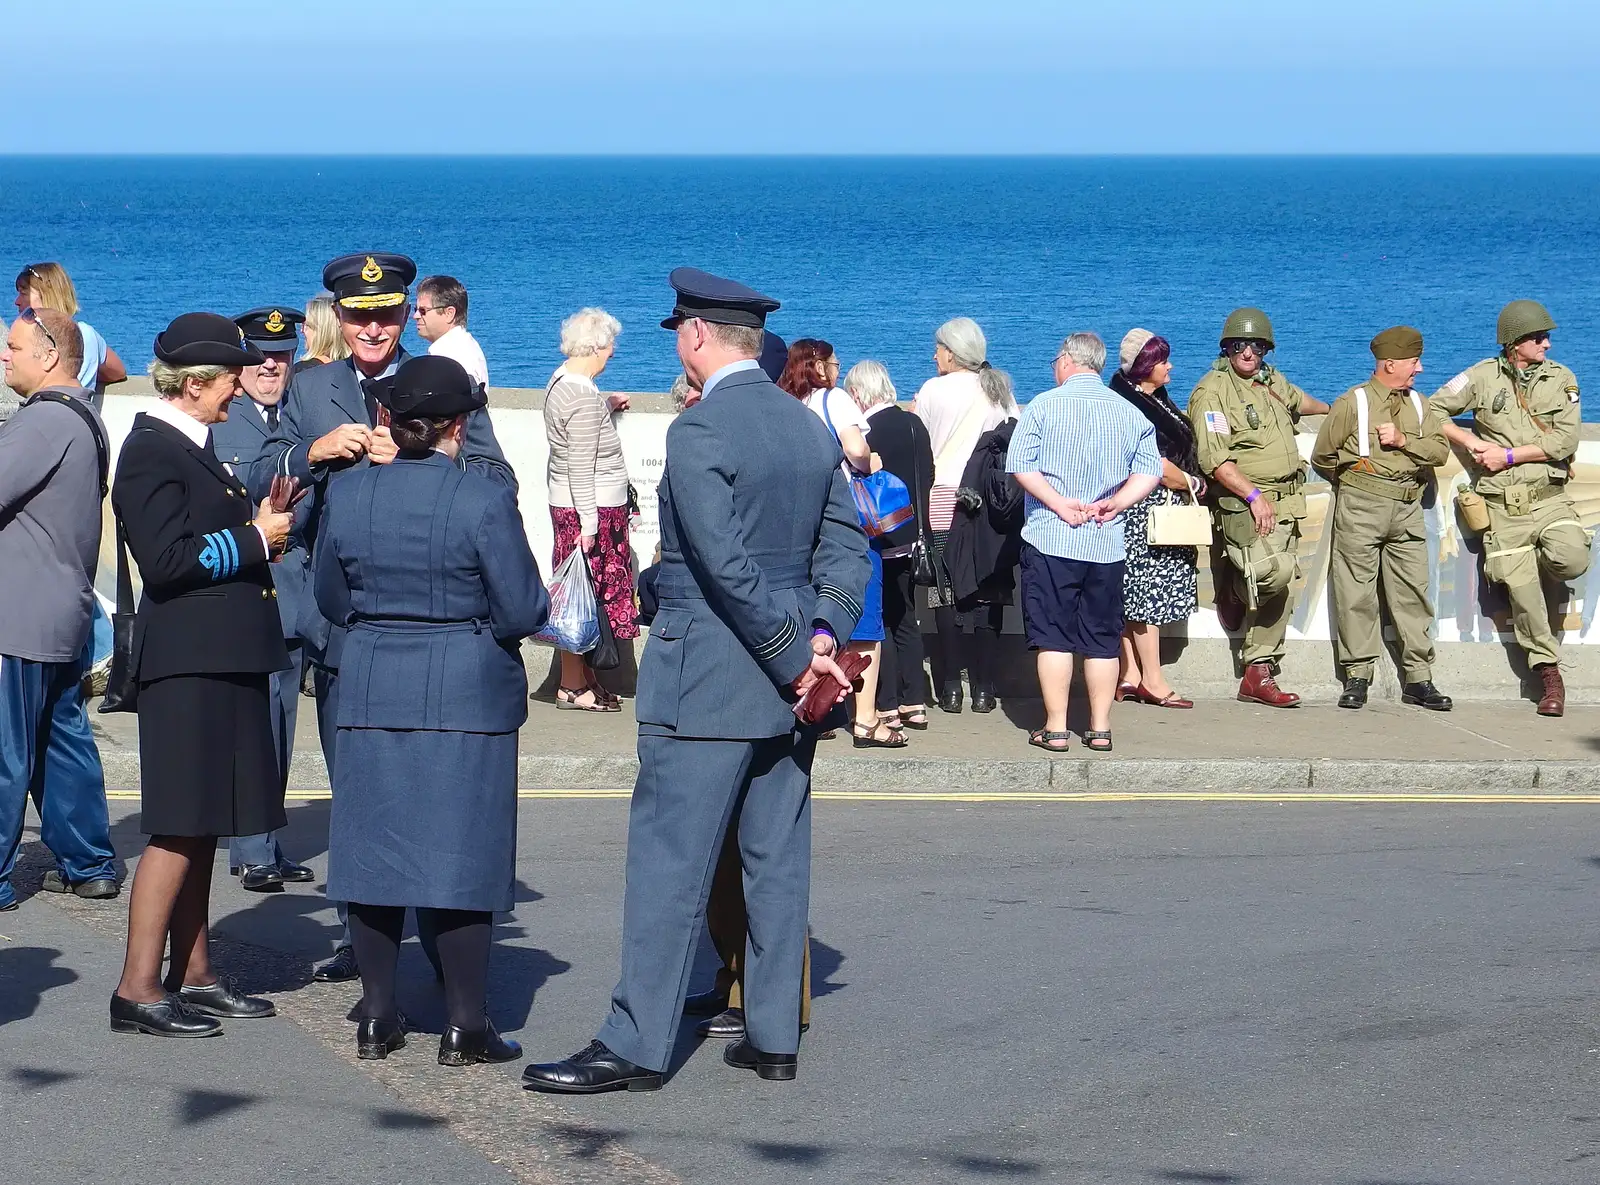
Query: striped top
[[586, 464], [1086, 440]]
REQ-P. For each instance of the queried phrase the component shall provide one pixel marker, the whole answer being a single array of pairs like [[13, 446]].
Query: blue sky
[[819, 76]]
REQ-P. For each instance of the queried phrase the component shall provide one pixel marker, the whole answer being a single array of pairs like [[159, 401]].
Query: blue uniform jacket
[[429, 570], [319, 400], [238, 441], [759, 540]]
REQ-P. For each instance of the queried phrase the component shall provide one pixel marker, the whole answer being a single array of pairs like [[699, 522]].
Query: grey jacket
[[49, 530], [759, 543]]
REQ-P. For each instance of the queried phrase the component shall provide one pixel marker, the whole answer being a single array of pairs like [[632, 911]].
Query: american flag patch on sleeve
[[1217, 422]]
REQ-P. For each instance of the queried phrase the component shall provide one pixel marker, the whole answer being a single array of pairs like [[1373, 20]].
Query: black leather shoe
[[1426, 695], [705, 1004], [983, 700], [167, 1017], [339, 969], [950, 698], [261, 878], [458, 1047], [725, 1026], [594, 1069], [293, 873], [95, 890], [774, 1067], [223, 999], [377, 1039], [1355, 694]]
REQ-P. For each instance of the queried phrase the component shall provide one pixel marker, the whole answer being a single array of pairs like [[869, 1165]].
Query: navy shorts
[[1072, 606]]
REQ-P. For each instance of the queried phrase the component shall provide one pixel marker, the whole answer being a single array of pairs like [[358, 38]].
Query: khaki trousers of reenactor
[[1377, 536], [726, 919], [1263, 570], [1548, 538]]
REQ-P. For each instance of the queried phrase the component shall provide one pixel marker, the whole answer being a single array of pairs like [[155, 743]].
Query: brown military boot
[[1258, 686], [1554, 700]]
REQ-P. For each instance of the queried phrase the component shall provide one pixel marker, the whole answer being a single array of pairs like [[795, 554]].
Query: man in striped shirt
[[1082, 456]]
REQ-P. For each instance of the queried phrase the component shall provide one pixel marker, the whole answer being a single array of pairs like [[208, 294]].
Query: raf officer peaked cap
[[369, 281], [271, 329], [205, 339], [431, 387], [721, 302]]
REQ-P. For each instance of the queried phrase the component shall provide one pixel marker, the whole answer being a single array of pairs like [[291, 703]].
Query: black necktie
[[371, 401], [272, 418]]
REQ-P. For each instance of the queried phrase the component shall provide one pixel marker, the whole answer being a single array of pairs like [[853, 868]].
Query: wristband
[[1510, 459], [823, 631], [1252, 496]]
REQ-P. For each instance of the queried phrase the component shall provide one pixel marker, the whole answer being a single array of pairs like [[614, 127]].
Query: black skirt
[[207, 765]]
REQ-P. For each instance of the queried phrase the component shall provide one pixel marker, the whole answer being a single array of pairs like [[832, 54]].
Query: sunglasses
[[1240, 345], [1542, 338], [32, 318]]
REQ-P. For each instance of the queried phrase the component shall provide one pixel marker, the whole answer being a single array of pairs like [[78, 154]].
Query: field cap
[[1398, 343]]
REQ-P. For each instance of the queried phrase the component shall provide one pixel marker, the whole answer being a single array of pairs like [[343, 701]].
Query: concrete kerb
[[1066, 776]]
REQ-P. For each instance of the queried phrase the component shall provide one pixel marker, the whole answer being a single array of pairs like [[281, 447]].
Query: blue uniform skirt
[[870, 627], [424, 819]]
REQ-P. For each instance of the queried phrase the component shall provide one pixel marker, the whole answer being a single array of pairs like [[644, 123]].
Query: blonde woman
[[588, 490], [47, 286], [324, 339]]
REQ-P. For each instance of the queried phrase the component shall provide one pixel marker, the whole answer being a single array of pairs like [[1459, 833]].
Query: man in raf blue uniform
[[330, 423], [763, 567], [258, 860]]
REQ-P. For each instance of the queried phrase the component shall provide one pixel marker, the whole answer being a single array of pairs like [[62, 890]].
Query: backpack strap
[[84, 413]]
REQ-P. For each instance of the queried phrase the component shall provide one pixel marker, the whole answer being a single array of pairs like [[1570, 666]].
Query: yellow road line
[[1069, 797]]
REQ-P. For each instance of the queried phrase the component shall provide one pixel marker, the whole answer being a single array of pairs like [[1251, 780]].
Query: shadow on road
[[26, 974]]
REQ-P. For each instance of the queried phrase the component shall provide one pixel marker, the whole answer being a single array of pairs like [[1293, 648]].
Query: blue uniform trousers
[[687, 791], [48, 752], [285, 694]]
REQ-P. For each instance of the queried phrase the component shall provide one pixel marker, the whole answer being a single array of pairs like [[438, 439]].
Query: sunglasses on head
[[1240, 345], [32, 318]]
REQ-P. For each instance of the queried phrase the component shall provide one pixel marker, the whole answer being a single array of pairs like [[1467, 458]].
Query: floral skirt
[[1158, 583], [610, 564]]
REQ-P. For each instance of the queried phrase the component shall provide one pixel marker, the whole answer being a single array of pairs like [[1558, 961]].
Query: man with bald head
[[53, 458]]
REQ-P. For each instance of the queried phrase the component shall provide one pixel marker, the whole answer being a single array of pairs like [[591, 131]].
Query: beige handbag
[[1179, 525]]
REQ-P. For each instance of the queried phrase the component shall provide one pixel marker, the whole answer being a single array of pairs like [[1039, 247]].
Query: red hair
[[797, 377]]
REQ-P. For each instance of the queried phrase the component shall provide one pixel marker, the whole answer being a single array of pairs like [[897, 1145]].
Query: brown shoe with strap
[[1259, 687], [1554, 700]]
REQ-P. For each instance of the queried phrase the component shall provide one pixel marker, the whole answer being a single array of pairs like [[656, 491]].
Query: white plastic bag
[[574, 623]]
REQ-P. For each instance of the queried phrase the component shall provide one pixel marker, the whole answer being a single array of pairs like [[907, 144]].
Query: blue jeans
[[47, 752], [100, 639]]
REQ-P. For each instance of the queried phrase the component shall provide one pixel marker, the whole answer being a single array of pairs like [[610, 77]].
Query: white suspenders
[[1364, 418]]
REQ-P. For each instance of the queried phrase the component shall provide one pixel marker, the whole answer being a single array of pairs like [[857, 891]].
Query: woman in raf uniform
[[429, 569], [205, 642]]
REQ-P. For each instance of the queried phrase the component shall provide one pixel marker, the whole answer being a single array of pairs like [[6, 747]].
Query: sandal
[[1097, 742], [869, 739], [1044, 738], [606, 697], [892, 722], [915, 718], [567, 701]]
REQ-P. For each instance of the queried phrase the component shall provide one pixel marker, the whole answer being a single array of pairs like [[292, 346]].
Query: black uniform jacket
[[208, 605]]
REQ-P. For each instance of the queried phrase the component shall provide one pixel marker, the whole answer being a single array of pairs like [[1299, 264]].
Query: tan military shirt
[[1247, 421], [1546, 411], [1338, 447]]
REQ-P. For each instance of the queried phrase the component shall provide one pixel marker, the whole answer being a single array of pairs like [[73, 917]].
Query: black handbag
[[923, 573], [122, 687], [604, 656]]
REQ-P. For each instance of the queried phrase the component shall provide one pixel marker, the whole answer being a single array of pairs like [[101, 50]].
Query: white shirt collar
[[168, 413], [731, 368]]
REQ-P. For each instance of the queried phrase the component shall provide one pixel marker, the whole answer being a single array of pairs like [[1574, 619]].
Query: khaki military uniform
[[1378, 527], [1251, 422], [1533, 524]]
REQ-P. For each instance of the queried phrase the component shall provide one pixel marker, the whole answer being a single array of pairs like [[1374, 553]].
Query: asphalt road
[[1061, 992]]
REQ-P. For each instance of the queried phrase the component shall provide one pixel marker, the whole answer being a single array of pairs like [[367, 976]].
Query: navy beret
[[774, 355]]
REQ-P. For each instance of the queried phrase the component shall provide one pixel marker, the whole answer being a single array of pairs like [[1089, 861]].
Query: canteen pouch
[[1178, 525], [1518, 501], [1473, 511]]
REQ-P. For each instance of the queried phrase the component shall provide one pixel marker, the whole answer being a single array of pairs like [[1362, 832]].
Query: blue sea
[[869, 253]]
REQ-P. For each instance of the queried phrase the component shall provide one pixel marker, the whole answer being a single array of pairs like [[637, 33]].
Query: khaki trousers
[[1377, 538], [725, 918], [1268, 563], [1517, 549]]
